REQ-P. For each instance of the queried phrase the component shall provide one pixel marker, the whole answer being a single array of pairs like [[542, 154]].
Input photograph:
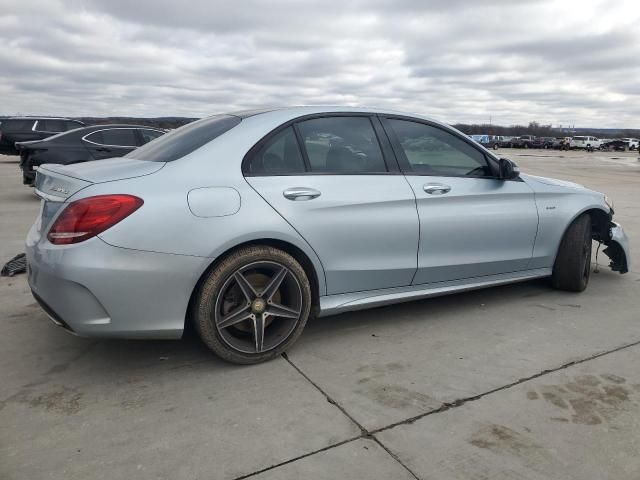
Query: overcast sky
[[561, 62]]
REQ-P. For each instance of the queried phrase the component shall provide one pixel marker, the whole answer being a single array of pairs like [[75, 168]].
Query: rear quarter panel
[[166, 224]]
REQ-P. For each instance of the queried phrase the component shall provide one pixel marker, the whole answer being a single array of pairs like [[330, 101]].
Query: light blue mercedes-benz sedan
[[246, 224]]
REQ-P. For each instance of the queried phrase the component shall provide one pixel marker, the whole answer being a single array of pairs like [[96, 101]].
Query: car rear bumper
[[97, 290]]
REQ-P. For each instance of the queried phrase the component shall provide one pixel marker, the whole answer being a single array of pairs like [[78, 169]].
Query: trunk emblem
[[59, 190]]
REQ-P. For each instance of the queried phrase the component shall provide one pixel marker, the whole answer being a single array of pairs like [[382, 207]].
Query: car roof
[[118, 125], [42, 118], [283, 114]]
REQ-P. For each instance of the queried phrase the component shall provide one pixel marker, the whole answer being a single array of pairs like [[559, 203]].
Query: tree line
[[534, 128]]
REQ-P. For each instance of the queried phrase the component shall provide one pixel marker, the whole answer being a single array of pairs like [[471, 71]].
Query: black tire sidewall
[[210, 288]]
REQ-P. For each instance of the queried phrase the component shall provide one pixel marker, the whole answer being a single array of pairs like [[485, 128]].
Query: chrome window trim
[[114, 128]]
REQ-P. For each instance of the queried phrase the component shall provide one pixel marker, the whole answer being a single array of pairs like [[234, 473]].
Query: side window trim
[[302, 149], [403, 161], [389, 155]]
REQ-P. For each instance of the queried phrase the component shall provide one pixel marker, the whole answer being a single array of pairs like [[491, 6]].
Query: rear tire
[[270, 318], [572, 267]]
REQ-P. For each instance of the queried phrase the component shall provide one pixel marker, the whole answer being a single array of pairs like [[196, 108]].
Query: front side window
[[342, 145], [434, 151], [280, 155]]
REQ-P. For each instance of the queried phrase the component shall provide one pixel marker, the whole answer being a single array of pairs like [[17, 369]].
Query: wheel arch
[[600, 221], [316, 279]]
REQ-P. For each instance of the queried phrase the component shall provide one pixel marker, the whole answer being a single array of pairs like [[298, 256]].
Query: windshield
[[184, 140]]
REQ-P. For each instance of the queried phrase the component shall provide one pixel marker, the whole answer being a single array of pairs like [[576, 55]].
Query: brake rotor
[[234, 298]]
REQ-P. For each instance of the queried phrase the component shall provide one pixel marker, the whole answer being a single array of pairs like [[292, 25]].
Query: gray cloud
[[553, 62]]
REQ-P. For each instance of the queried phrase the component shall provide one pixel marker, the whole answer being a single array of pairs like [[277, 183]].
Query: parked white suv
[[589, 143], [631, 142]]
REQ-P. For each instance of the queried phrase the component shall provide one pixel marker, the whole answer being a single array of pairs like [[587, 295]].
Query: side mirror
[[508, 169]]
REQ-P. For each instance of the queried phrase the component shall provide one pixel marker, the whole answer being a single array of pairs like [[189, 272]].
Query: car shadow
[[156, 357]]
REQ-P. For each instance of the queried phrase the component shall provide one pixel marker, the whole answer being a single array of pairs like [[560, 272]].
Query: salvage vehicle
[[616, 145], [82, 145], [632, 143], [585, 142], [543, 142], [561, 143], [297, 212], [523, 141], [488, 141], [22, 129]]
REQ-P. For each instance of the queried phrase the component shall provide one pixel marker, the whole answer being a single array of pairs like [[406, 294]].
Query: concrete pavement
[[519, 381]]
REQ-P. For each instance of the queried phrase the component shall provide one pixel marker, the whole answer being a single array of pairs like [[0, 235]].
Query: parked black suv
[[24, 129]]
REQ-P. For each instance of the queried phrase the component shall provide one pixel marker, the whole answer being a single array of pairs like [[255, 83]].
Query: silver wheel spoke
[[247, 289], [258, 331], [274, 284], [278, 310], [237, 316]]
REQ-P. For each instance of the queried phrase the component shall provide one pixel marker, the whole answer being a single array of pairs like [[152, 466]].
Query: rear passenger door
[[111, 142], [333, 180]]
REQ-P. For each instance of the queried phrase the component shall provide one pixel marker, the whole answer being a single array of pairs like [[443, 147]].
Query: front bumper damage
[[617, 248]]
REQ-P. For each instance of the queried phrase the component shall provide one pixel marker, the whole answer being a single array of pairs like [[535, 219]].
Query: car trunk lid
[[56, 183]]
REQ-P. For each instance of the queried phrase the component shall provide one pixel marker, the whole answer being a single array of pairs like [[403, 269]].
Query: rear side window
[[148, 135], [186, 139], [342, 145], [280, 155], [10, 126], [114, 137]]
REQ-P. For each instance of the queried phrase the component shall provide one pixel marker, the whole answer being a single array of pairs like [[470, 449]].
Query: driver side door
[[472, 224]]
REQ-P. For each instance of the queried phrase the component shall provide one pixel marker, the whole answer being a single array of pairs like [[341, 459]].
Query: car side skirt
[[345, 302]]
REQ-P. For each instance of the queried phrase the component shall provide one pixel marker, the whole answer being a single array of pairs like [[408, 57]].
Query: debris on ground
[[17, 264]]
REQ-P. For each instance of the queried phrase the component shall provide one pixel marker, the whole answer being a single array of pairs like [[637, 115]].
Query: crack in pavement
[[371, 435]]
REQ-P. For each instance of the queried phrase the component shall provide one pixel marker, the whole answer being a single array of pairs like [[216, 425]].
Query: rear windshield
[[184, 140]]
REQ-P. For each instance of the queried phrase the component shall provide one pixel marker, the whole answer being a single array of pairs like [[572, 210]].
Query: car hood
[[108, 170], [553, 181]]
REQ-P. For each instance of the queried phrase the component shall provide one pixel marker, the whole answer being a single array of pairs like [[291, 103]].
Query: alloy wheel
[[258, 307]]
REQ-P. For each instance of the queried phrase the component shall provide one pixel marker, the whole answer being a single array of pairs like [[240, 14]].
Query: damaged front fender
[[617, 249]]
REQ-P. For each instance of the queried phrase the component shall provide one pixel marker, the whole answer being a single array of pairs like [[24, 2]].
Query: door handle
[[301, 193], [436, 188], [103, 149]]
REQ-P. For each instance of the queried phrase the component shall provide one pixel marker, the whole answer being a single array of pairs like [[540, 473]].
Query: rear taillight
[[90, 216]]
